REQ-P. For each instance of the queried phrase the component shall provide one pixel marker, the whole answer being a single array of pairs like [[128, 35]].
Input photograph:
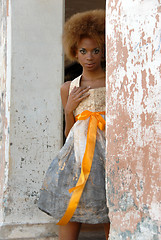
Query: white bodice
[[95, 102]]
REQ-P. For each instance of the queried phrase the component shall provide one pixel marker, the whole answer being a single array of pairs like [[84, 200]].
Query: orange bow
[[95, 120]]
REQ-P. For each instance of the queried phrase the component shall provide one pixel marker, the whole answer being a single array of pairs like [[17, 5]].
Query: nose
[[89, 56]]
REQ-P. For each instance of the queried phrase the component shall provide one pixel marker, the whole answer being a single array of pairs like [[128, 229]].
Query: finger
[[83, 96], [73, 90], [80, 89], [85, 89]]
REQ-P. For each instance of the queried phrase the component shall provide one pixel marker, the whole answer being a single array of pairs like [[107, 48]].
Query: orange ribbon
[[95, 120]]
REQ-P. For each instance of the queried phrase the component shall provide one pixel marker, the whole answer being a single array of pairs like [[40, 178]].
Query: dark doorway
[[73, 69]]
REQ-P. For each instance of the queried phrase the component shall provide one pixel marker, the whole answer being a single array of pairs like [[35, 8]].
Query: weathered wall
[[35, 112], [134, 118], [4, 101]]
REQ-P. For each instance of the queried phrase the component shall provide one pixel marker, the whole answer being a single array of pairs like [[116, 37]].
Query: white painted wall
[[5, 30], [35, 110]]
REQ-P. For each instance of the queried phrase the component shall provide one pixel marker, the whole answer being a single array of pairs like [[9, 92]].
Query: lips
[[90, 64]]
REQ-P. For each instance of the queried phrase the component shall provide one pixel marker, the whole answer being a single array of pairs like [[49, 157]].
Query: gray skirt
[[64, 173]]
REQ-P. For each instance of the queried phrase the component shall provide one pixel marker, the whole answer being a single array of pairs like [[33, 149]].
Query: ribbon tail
[[101, 122], [74, 188], [73, 203]]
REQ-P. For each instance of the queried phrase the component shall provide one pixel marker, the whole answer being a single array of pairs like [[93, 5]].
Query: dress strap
[[75, 83]]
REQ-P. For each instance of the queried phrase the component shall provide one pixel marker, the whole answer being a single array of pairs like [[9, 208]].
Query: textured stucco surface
[[134, 118], [31, 129], [4, 103]]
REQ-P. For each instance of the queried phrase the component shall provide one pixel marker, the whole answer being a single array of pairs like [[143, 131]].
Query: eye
[[83, 51], [96, 51]]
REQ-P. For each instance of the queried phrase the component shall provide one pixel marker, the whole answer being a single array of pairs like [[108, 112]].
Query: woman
[[73, 191]]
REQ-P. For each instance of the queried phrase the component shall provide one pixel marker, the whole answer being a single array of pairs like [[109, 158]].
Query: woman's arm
[[70, 102], [69, 117]]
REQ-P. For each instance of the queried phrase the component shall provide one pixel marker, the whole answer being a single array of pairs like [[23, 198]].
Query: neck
[[94, 80], [93, 75]]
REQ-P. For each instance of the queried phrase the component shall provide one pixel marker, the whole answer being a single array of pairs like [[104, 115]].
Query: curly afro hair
[[85, 24]]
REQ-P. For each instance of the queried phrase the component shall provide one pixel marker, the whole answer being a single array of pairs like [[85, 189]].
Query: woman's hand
[[76, 96], [70, 102]]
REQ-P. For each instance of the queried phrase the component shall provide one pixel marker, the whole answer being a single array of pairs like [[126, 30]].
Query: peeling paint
[[30, 131], [4, 103], [134, 119]]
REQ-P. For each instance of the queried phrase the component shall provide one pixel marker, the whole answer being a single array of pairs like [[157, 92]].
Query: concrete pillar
[[134, 118], [31, 116]]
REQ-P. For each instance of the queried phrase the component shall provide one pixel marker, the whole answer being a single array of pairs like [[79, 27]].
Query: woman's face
[[89, 54]]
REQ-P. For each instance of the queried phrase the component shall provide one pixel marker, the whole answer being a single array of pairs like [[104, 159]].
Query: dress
[[65, 169]]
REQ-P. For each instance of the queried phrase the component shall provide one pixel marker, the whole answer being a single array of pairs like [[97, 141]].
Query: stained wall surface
[[31, 113], [4, 99], [133, 34]]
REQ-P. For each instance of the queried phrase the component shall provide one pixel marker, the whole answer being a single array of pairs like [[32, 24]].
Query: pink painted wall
[[133, 167]]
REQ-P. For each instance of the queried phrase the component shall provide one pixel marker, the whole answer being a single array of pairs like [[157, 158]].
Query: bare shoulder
[[65, 88], [64, 92]]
